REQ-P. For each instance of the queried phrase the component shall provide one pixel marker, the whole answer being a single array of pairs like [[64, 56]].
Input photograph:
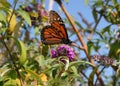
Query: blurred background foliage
[[25, 61]]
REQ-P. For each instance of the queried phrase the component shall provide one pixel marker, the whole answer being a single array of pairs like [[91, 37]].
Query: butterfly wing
[[54, 17], [50, 35], [56, 32], [56, 21]]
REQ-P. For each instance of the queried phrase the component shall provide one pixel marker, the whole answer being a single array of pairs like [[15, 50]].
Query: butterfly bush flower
[[63, 50], [54, 53], [103, 59], [41, 10]]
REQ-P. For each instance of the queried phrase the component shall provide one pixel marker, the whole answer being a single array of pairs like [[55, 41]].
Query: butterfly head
[[66, 41]]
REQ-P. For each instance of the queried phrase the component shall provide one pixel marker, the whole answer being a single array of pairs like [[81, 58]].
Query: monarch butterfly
[[55, 33]]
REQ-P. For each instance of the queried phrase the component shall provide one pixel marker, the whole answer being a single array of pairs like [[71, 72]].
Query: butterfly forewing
[[56, 21], [54, 17]]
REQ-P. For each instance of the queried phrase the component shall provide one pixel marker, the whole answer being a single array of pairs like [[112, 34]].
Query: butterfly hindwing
[[48, 35]]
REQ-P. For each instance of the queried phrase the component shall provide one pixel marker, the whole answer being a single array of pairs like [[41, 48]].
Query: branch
[[12, 59], [11, 14]]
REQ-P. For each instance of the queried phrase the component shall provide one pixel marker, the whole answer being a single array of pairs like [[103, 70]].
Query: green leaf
[[64, 75], [51, 68], [90, 45], [45, 50], [4, 3], [2, 17], [74, 69], [25, 15], [67, 64], [101, 35], [80, 62], [10, 82], [1, 81], [21, 48], [115, 49], [41, 61], [36, 31], [106, 29], [17, 26], [78, 24], [5, 72], [91, 78], [23, 55], [12, 74], [35, 75], [54, 72], [95, 15]]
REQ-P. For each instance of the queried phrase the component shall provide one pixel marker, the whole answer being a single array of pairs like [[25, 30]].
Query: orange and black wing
[[56, 21], [50, 35], [56, 32], [54, 17]]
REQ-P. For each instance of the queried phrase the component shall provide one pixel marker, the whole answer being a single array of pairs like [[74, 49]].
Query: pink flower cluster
[[63, 50]]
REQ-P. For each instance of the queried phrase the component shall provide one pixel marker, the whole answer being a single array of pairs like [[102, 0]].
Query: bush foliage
[[26, 61]]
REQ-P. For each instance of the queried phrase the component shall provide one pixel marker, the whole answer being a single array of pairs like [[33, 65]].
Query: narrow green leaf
[[25, 15], [91, 78], [54, 72], [98, 33], [106, 29], [1, 81], [90, 46], [67, 64], [78, 24], [51, 68], [5, 72], [80, 62], [95, 15], [23, 55]]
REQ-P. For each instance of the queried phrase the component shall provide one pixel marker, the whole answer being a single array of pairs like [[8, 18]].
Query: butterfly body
[[55, 33]]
